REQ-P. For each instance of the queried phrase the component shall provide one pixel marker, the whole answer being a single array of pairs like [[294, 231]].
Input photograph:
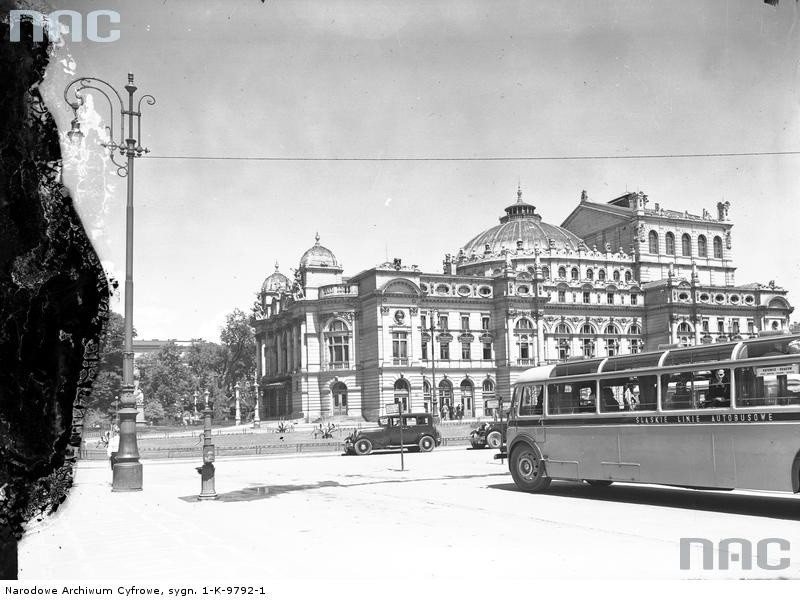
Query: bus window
[[628, 393], [530, 400], [767, 347], [768, 386], [696, 389], [571, 398]]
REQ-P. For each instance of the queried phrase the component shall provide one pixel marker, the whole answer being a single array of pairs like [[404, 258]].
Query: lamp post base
[[207, 491], [127, 477]]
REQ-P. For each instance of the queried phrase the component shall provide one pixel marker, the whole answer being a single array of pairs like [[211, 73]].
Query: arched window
[[601, 275], [635, 329], [702, 246], [616, 275], [669, 241], [338, 344], [587, 329], [401, 394], [612, 329], [426, 394], [686, 245], [545, 273], [717, 247], [653, 242], [685, 337], [562, 329], [574, 273], [467, 395], [339, 398], [445, 394], [628, 276], [524, 323], [562, 273], [488, 394], [590, 274]]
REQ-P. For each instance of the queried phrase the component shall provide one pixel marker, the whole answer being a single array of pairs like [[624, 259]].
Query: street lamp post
[[127, 468], [238, 409], [432, 328], [256, 416], [207, 491]]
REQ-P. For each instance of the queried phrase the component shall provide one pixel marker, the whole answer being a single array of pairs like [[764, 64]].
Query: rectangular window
[[465, 322], [634, 299], [750, 326], [443, 323], [768, 386], [399, 345], [734, 325], [720, 325], [587, 345], [696, 389], [610, 298], [465, 351], [485, 323], [635, 346], [529, 400], [562, 296], [444, 351], [570, 398], [424, 350], [423, 321], [628, 393], [524, 350], [487, 350], [587, 297], [705, 325]]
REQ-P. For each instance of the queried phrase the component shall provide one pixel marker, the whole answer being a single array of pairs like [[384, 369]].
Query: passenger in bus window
[[610, 403], [630, 397], [719, 391]]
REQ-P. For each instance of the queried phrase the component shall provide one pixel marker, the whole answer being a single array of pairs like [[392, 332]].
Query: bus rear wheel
[[527, 469]]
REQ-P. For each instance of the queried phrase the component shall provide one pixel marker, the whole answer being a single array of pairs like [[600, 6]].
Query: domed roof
[[276, 282], [318, 256], [521, 222]]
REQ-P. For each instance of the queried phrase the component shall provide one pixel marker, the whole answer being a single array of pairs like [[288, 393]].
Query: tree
[[167, 384], [106, 387]]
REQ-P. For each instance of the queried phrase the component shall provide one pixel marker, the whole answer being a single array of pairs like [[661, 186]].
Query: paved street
[[452, 514]]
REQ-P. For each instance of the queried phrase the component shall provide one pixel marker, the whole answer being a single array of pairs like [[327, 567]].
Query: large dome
[[520, 223], [277, 282], [318, 256]]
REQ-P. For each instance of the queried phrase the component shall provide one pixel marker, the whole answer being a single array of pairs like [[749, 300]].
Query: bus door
[[529, 402]]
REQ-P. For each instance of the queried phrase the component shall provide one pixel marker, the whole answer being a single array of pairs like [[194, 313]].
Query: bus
[[718, 416]]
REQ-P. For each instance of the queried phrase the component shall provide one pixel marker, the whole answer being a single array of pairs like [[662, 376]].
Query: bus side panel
[[670, 454], [587, 445], [764, 455]]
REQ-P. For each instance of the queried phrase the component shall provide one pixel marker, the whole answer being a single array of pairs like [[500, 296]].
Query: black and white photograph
[[370, 299]]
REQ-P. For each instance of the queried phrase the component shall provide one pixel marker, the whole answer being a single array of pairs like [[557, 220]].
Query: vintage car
[[488, 435], [418, 432]]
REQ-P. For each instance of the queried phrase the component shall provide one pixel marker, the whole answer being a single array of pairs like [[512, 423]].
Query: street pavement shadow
[[705, 500], [262, 492]]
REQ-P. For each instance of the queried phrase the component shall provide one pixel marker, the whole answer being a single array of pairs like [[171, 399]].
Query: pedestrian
[[460, 412], [113, 448], [450, 411]]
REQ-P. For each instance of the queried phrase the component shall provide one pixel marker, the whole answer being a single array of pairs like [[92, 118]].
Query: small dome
[[318, 256], [520, 228], [277, 282]]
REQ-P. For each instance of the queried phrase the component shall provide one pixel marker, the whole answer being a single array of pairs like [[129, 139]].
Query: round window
[[704, 297], [485, 291], [719, 298], [464, 290], [749, 299], [523, 289]]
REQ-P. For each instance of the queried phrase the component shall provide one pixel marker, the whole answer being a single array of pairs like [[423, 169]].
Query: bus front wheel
[[527, 469]]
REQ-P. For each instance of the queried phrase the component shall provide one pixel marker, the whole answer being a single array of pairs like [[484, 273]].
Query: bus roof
[[777, 345]]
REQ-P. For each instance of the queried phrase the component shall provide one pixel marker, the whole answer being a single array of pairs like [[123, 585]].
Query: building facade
[[615, 277]]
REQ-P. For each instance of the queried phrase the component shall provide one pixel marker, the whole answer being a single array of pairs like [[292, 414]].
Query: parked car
[[418, 431], [488, 435]]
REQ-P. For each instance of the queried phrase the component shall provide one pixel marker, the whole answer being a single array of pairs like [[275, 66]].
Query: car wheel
[[599, 482], [426, 443], [363, 447], [527, 469], [494, 439]]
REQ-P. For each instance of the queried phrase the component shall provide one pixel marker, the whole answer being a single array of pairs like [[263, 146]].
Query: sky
[[428, 79]]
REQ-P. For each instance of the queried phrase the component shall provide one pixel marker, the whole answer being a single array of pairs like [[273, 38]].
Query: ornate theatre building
[[616, 277]]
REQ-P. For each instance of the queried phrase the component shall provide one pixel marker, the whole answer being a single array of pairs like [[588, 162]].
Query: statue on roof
[[722, 210]]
